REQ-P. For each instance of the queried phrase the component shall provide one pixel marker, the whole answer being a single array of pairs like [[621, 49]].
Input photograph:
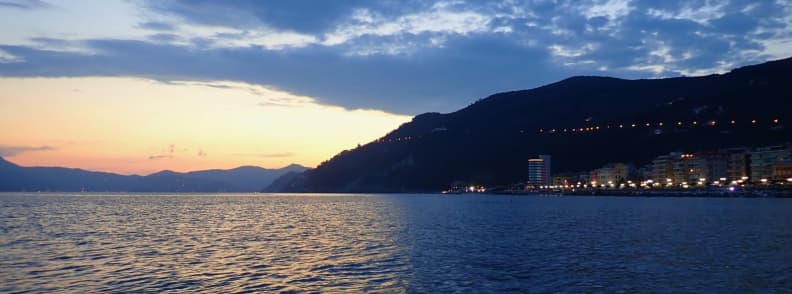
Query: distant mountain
[[241, 179], [490, 141], [246, 178]]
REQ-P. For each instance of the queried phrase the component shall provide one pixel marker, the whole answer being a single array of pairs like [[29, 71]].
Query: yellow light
[[695, 122], [660, 123], [753, 121], [775, 121]]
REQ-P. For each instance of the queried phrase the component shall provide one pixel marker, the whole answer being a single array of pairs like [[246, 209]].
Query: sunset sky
[[141, 86]]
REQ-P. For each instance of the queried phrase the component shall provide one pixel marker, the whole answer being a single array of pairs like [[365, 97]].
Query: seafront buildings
[[742, 166], [761, 165]]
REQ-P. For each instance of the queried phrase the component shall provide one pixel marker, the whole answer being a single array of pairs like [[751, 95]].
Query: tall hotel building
[[539, 170]]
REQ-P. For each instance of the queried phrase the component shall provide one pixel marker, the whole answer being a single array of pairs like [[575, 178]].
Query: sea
[[398, 243]]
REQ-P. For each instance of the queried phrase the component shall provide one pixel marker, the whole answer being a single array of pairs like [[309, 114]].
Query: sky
[[140, 86]]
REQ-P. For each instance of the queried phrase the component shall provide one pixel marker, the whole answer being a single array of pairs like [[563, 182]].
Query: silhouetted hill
[[490, 141], [242, 179], [287, 182]]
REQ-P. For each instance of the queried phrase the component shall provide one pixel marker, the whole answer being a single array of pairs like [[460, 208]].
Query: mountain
[[241, 179], [246, 178], [490, 141]]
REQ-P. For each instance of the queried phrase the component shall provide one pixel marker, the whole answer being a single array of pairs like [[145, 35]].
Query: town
[[739, 171]]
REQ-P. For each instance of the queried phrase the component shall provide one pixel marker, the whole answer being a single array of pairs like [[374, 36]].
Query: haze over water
[[392, 243]]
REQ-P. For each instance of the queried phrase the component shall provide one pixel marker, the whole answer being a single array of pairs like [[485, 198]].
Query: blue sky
[[404, 57]]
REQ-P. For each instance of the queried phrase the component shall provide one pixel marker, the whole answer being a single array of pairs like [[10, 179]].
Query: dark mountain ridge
[[241, 179], [490, 141]]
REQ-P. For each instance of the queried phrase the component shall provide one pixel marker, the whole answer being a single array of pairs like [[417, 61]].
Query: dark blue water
[[392, 243]]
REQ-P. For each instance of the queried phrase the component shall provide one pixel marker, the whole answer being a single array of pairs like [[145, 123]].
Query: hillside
[[241, 179], [490, 141]]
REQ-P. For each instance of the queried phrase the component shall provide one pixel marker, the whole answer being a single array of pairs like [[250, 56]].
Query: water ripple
[[391, 243]]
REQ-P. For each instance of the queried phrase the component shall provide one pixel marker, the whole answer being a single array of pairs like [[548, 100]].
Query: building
[[562, 181], [763, 161], [782, 172], [663, 167], [539, 171], [714, 164], [738, 166], [612, 173]]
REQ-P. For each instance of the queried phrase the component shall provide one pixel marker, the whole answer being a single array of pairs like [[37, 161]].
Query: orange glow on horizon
[[139, 126]]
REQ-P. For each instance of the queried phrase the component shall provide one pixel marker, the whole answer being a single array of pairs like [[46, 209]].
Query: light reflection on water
[[391, 243]]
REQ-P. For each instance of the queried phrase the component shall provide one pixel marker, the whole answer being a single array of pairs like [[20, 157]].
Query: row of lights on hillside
[[648, 124], [397, 139]]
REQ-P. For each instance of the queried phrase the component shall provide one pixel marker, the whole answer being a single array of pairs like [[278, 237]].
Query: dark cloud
[[547, 41], [8, 151], [157, 25], [299, 15]]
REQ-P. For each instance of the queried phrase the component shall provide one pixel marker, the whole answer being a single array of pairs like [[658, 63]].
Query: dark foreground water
[[392, 243]]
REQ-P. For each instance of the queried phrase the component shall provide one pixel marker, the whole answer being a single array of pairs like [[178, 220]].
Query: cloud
[[8, 151], [441, 19], [24, 4], [612, 9], [266, 155], [702, 13], [6, 57], [160, 156]]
